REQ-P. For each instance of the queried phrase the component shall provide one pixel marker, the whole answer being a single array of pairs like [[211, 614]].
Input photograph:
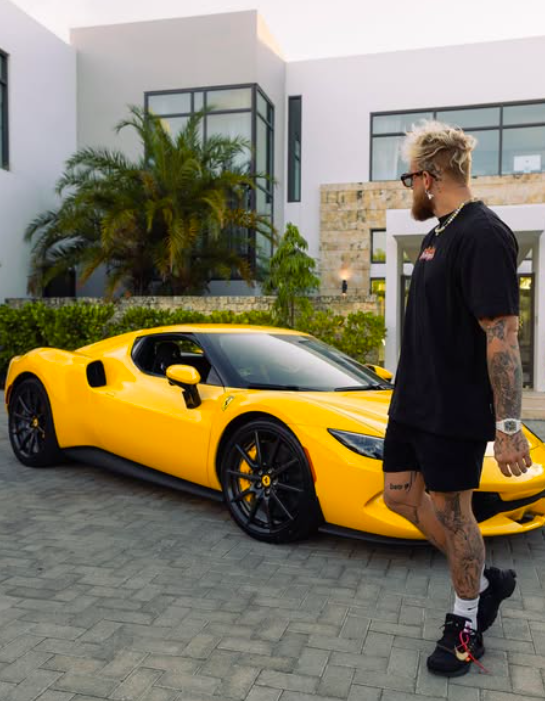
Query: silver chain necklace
[[441, 227]]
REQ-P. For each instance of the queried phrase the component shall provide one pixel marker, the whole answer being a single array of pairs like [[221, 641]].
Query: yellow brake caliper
[[244, 467]]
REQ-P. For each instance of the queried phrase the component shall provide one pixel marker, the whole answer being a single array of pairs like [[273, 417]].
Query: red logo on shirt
[[428, 253]]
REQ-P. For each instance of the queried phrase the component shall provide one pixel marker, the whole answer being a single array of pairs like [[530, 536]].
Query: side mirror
[[381, 372], [187, 378]]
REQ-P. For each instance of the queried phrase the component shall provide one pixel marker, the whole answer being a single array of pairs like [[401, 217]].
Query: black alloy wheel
[[31, 429], [267, 483]]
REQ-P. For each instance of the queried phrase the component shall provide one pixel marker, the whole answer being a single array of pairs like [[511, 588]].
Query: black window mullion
[[253, 197], [4, 133]]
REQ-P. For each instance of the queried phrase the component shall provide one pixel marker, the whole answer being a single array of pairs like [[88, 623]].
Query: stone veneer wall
[[349, 212], [206, 305]]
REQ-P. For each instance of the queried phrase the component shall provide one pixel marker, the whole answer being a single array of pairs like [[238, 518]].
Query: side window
[[154, 354]]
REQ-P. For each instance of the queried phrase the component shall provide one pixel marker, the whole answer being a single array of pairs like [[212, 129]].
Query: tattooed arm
[[505, 372]]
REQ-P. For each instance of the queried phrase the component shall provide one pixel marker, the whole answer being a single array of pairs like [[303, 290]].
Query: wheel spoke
[[17, 415], [244, 475], [255, 506], [288, 488], [274, 452], [267, 506], [246, 457], [34, 446], [243, 494], [27, 411], [25, 440], [283, 468], [32, 402], [281, 505], [258, 449]]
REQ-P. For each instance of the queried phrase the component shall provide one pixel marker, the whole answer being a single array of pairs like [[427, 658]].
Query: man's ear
[[427, 180]]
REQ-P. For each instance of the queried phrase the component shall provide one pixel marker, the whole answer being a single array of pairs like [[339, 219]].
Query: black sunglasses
[[407, 178]]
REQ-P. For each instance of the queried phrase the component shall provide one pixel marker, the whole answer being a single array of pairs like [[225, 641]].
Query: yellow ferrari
[[287, 430]]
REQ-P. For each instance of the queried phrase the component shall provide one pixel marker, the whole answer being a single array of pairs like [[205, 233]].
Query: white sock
[[484, 582], [467, 608]]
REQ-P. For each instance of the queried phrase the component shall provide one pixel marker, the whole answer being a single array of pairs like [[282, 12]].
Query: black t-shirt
[[467, 272]]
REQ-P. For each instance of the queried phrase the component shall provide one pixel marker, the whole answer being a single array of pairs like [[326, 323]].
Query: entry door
[[526, 332]]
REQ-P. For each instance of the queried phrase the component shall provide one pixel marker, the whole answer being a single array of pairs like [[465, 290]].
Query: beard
[[422, 208]]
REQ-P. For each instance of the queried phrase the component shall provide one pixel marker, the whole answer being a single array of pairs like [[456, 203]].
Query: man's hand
[[512, 453]]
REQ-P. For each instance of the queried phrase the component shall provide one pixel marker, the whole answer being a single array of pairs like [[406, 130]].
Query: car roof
[[220, 328], [127, 339]]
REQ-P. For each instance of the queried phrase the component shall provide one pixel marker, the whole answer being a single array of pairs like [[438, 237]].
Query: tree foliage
[[164, 223], [292, 276]]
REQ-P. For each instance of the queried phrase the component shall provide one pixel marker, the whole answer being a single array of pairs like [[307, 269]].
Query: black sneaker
[[459, 646], [501, 584]]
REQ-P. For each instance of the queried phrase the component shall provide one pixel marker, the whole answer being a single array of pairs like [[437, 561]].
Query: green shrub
[[77, 325], [257, 318], [139, 318], [326, 326], [20, 331], [186, 316], [362, 335]]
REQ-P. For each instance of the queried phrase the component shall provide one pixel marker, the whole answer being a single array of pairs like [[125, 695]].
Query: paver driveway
[[115, 589]]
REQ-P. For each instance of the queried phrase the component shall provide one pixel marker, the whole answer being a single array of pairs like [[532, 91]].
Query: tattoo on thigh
[[411, 481]]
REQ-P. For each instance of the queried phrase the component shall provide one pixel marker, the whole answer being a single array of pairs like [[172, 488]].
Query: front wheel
[[267, 483], [31, 429]]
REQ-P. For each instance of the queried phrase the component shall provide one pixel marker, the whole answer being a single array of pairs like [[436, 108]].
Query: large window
[[294, 149], [4, 156], [511, 138], [234, 111]]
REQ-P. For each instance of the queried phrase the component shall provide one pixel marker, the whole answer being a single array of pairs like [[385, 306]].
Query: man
[[458, 384]]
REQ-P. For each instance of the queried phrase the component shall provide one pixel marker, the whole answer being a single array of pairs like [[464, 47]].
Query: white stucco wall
[[117, 64], [339, 94], [42, 134]]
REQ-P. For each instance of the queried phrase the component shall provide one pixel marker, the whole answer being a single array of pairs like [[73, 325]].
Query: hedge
[[36, 325]]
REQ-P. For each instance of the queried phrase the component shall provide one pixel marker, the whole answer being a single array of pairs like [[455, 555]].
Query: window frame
[[294, 183], [269, 121], [501, 127], [4, 134]]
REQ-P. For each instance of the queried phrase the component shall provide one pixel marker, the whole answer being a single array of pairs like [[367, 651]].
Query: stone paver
[[112, 589]]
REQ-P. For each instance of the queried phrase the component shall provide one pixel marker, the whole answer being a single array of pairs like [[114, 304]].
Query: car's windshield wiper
[[361, 388], [290, 388]]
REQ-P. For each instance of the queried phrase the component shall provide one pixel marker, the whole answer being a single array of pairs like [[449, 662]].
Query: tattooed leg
[[465, 545], [404, 493]]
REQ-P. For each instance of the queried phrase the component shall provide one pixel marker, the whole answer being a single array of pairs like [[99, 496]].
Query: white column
[[539, 345], [393, 295]]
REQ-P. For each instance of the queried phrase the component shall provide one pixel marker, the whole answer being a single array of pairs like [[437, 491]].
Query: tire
[[267, 484], [30, 425]]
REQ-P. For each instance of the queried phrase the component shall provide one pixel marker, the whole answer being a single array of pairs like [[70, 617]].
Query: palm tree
[[167, 222]]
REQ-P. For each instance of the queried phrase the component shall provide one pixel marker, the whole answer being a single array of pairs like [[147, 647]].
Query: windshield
[[282, 361]]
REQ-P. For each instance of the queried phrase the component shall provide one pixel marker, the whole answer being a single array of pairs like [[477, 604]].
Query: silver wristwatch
[[509, 426]]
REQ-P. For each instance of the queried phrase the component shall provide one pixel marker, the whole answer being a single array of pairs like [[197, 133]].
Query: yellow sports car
[[287, 430]]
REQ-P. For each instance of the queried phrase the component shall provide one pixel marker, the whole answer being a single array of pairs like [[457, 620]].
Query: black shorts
[[447, 464]]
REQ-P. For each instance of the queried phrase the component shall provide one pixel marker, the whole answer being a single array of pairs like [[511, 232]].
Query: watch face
[[510, 425]]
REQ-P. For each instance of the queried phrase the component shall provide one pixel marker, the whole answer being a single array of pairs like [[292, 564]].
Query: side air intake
[[96, 376]]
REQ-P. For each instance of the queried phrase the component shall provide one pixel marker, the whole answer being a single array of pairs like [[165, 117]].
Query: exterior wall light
[[344, 287]]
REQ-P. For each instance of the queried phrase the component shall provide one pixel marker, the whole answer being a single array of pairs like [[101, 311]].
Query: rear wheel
[[267, 483], [31, 429]]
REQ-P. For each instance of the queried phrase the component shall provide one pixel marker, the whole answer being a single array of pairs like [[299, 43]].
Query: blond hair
[[440, 149]]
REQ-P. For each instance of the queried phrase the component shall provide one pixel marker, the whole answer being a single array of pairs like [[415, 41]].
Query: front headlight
[[368, 446]]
